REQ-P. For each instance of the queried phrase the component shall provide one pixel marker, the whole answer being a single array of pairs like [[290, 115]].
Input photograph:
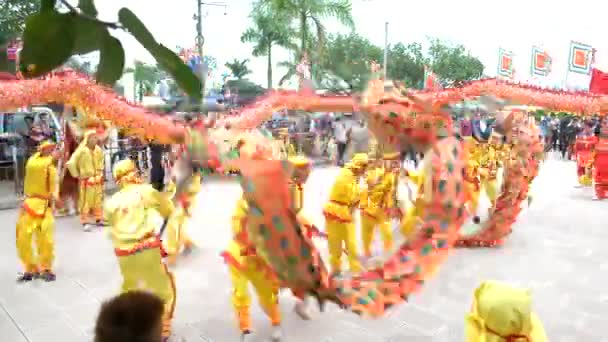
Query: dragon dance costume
[[136, 245], [338, 211], [86, 164], [472, 182], [377, 201], [36, 215], [247, 267], [502, 313], [583, 149]]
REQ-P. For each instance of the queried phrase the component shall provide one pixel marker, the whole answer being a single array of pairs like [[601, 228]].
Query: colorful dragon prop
[[397, 117]]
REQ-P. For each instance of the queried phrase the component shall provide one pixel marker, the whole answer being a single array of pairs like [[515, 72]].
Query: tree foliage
[[52, 36], [238, 68], [453, 63], [347, 62], [309, 14], [270, 28], [406, 63], [12, 17]]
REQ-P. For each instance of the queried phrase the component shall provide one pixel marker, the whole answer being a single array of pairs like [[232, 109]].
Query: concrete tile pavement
[[556, 249]]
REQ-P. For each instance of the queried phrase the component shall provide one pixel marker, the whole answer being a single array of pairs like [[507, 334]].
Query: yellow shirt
[[343, 197], [86, 164], [128, 213], [381, 187], [40, 184]]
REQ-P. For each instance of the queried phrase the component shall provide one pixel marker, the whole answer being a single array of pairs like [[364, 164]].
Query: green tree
[[347, 62], [146, 77], [238, 68], [453, 63], [406, 63], [269, 29], [83, 67], [309, 15], [12, 17]]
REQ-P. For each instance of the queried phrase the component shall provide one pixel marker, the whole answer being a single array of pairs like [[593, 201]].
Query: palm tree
[[146, 77], [238, 68], [269, 29], [309, 13]]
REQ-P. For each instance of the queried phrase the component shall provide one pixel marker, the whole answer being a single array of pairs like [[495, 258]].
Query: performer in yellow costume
[[472, 186], [422, 179], [247, 267], [378, 208], [488, 171], [136, 245], [176, 234], [502, 313], [36, 215], [84, 164], [298, 178], [338, 211]]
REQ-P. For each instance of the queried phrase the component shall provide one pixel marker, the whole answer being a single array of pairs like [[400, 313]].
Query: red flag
[[599, 82]]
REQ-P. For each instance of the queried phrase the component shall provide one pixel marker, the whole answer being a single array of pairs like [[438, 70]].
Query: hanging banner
[[581, 56], [505, 63], [541, 62]]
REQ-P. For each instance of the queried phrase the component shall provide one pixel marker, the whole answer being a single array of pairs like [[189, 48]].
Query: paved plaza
[[558, 249]]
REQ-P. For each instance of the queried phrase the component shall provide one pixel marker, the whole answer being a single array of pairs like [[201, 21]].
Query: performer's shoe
[[47, 276], [87, 227], [246, 336], [476, 219], [26, 277], [302, 308], [276, 335], [595, 198]]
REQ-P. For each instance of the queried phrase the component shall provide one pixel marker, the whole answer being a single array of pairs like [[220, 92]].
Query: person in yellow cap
[[246, 267], [84, 165], [502, 313], [176, 234], [36, 215], [133, 235], [338, 211], [381, 202]]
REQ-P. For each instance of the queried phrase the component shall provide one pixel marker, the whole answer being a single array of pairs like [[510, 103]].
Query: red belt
[[141, 246]]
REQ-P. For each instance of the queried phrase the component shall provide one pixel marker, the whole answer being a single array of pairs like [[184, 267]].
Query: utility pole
[[385, 66], [200, 39]]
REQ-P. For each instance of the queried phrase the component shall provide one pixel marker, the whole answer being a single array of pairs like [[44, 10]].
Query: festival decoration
[[505, 63], [581, 56], [397, 116], [541, 62]]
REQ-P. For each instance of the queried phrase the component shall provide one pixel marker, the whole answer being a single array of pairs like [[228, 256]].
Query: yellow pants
[[176, 233], [42, 228], [338, 234], [145, 271], [90, 203], [408, 223], [473, 193], [266, 290], [490, 186], [368, 228]]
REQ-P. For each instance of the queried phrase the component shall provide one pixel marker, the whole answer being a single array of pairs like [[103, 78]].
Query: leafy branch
[[51, 38]]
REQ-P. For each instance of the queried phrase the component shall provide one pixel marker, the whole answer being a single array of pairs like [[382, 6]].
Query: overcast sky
[[481, 25]]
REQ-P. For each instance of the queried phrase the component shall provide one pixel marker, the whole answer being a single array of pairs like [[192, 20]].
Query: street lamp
[[200, 39]]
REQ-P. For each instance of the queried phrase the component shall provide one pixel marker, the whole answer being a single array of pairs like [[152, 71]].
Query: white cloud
[[482, 26]]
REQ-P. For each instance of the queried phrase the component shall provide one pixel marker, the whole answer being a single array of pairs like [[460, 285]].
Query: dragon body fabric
[[398, 119]]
